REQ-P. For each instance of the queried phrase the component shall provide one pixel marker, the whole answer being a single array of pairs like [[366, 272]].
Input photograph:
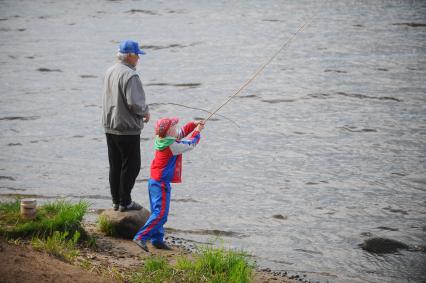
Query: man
[[124, 114]]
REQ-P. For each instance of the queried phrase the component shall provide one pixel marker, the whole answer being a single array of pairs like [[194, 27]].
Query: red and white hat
[[164, 124]]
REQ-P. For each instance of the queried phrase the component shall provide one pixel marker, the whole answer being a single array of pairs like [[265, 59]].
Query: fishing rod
[[257, 72], [196, 108]]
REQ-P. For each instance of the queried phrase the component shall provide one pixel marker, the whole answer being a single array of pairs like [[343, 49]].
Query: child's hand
[[199, 122], [200, 125]]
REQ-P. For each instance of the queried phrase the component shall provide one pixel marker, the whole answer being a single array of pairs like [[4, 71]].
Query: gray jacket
[[123, 101]]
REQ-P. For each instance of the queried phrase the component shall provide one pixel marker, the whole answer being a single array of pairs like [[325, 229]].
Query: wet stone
[[271, 20], [190, 85], [363, 96], [280, 216], [414, 25], [382, 245], [7, 178], [387, 228], [48, 70], [12, 118], [275, 101], [395, 210], [334, 71], [135, 11]]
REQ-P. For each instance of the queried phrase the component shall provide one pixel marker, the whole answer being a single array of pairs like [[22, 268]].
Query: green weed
[[59, 244], [221, 265], [104, 225], [214, 265], [55, 216], [91, 242], [156, 270]]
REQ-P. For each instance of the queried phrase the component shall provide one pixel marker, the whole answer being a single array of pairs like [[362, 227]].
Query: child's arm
[[179, 147], [186, 130]]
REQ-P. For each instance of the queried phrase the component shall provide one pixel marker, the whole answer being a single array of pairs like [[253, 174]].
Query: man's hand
[[146, 118]]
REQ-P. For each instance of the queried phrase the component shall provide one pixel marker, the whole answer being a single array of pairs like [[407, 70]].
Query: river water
[[325, 149]]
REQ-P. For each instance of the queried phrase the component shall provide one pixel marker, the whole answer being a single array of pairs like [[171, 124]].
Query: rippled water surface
[[323, 151]]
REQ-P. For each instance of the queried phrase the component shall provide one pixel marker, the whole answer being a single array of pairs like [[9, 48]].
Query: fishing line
[[195, 108], [257, 72]]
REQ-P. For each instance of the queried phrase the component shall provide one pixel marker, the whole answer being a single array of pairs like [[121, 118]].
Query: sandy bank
[[21, 263]]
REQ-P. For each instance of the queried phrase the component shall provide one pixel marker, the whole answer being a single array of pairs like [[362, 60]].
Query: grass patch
[[209, 265], [107, 271], [104, 225], [59, 245], [156, 270], [57, 229], [60, 216]]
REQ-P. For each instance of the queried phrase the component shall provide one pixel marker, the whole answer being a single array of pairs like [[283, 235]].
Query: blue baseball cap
[[130, 46]]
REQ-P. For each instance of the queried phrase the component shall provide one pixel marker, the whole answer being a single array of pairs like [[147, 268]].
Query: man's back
[[118, 115]]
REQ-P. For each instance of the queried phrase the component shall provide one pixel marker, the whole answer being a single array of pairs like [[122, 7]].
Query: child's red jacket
[[167, 163]]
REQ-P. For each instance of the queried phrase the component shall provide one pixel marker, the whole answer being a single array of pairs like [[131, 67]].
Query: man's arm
[[135, 97]]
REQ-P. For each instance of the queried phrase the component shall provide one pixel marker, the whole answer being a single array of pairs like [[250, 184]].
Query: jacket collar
[[128, 65]]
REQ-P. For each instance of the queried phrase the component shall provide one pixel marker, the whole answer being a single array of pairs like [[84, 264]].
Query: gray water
[[330, 138]]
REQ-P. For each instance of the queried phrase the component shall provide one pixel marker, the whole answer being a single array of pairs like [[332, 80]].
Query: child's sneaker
[[115, 206], [161, 246], [132, 206], [142, 245]]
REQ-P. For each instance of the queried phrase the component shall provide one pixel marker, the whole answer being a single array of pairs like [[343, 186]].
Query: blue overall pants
[[159, 198]]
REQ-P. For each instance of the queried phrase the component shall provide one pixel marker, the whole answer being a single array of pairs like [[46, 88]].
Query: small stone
[[279, 216]]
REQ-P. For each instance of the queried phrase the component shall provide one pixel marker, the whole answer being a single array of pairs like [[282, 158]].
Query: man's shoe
[[142, 245], [132, 206], [115, 206], [161, 246]]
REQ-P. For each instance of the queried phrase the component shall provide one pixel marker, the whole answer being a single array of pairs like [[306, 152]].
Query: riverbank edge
[[111, 258]]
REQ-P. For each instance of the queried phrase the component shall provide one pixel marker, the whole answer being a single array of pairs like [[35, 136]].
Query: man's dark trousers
[[124, 166]]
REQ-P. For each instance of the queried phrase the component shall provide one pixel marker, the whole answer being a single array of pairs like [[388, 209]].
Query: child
[[166, 168]]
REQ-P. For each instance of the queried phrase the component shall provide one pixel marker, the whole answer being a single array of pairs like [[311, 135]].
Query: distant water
[[331, 139]]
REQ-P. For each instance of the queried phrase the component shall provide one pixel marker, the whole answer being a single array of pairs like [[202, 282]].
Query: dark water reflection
[[324, 150]]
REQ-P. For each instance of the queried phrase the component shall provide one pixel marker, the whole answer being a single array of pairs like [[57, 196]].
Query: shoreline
[[111, 258]]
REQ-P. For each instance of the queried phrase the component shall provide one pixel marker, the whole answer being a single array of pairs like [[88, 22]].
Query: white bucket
[[28, 208]]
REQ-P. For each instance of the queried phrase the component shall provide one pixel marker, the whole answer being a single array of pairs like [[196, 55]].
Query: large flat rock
[[126, 224]]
